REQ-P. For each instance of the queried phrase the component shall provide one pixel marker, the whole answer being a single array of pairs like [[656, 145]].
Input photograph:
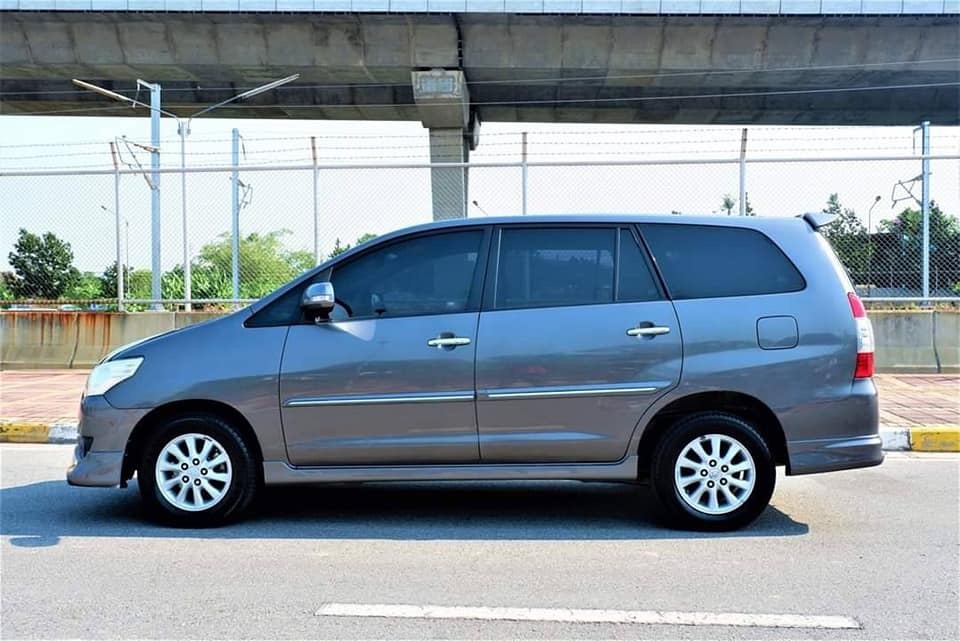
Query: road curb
[[924, 438], [37, 432]]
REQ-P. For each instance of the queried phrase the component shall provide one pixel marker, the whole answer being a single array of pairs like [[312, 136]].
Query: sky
[[373, 199]]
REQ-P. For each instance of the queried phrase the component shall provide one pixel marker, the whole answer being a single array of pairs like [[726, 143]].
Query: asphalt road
[[878, 545]]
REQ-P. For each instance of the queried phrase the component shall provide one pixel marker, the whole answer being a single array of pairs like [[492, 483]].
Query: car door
[[576, 341], [389, 378]]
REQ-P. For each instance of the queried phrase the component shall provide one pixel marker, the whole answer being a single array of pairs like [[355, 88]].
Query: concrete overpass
[[860, 62]]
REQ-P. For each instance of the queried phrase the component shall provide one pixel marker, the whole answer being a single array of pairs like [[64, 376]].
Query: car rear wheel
[[197, 471], [712, 471]]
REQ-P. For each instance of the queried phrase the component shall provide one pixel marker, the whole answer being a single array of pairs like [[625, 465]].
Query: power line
[[554, 101], [549, 79], [848, 132]]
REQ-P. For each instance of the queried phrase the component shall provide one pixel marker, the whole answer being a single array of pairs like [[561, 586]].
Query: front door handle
[[656, 330], [448, 341]]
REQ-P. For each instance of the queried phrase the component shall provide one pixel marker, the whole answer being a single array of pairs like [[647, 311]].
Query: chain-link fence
[[64, 234]]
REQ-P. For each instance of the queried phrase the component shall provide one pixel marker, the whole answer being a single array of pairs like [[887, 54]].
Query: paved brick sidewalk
[[49, 396], [906, 400]]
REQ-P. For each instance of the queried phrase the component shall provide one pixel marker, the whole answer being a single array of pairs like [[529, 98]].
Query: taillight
[[864, 367]]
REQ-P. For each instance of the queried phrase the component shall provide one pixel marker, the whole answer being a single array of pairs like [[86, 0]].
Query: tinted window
[[553, 267], [635, 280], [283, 311], [699, 261], [425, 275]]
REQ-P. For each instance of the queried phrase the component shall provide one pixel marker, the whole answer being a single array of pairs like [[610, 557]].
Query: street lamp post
[[876, 200], [183, 130], [126, 244]]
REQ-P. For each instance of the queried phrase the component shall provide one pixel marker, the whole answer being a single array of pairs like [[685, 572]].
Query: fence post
[[523, 166], [121, 268], [743, 172], [316, 203], [187, 270], [925, 204], [235, 203], [156, 267]]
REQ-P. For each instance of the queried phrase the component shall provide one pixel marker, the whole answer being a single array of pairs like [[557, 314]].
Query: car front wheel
[[197, 471], [712, 471]]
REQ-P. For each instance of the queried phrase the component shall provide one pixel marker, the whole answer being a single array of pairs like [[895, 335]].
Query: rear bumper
[[841, 433], [831, 455]]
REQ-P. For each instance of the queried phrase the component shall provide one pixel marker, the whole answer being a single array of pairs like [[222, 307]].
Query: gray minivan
[[696, 354]]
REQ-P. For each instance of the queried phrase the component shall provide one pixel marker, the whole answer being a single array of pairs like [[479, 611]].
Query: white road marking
[[564, 615]]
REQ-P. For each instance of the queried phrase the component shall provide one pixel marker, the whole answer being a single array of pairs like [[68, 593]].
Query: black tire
[[674, 509], [237, 494]]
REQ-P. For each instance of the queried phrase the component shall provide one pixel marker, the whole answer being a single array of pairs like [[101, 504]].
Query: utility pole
[[316, 203], [743, 172], [155, 266], [184, 131], [121, 269], [925, 204], [235, 197], [523, 152]]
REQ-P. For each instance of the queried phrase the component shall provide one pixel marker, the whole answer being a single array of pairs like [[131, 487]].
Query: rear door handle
[[656, 330], [448, 341]]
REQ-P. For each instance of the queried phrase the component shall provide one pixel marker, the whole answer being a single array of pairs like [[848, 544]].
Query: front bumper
[[95, 469], [103, 435]]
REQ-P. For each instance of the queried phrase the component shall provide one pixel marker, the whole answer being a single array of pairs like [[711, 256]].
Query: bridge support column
[[449, 184], [444, 104]]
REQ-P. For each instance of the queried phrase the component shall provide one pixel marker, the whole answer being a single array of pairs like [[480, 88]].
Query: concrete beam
[[522, 67]]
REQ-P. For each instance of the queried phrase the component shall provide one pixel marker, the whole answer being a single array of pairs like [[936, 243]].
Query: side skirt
[[280, 473]]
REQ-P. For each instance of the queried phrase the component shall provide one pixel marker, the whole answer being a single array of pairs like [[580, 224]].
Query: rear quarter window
[[705, 261]]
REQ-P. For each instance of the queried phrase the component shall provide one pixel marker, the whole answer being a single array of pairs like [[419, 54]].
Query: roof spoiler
[[819, 219]]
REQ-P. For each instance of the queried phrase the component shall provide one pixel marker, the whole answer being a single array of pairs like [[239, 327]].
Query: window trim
[[493, 263], [666, 287], [648, 260]]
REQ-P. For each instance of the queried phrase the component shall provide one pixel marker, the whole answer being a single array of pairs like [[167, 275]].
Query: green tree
[[339, 248], [5, 292], [88, 286], [849, 239], [944, 243], [265, 264], [42, 265], [108, 281], [909, 225], [728, 204], [136, 283]]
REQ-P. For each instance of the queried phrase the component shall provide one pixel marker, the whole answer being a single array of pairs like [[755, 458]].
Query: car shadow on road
[[39, 514]]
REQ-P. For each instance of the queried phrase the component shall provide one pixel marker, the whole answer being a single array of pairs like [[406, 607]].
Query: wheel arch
[[744, 406], [163, 413]]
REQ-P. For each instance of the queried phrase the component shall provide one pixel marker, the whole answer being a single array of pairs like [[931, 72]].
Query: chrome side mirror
[[318, 297]]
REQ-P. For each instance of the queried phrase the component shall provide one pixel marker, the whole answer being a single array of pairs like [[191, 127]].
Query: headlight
[[105, 375]]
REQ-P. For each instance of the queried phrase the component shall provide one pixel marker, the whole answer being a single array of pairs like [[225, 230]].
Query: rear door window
[[555, 267], [564, 266], [704, 261]]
